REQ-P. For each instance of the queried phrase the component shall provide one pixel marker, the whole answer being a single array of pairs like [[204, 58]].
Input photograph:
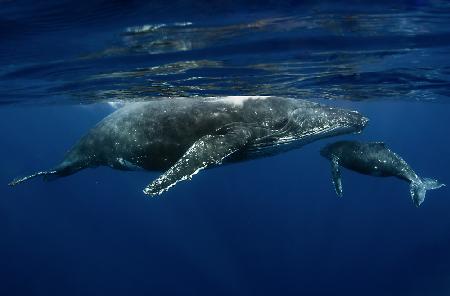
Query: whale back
[[154, 135]]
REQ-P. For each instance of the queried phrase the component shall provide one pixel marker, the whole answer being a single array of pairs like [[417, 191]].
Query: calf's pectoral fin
[[336, 175], [208, 151]]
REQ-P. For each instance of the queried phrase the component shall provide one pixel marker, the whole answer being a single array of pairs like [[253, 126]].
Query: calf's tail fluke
[[419, 189], [23, 179]]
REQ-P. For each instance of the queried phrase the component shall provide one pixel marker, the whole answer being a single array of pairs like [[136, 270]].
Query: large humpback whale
[[375, 159], [183, 136]]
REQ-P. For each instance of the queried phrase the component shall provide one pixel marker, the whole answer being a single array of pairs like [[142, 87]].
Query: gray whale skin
[[375, 159], [181, 136]]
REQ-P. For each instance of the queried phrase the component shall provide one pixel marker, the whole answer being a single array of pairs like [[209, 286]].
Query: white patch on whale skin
[[116, 104], [127, 164], [239, 100], [154, 27]]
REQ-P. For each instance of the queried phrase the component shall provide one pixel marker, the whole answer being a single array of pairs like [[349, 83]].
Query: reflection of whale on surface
[[183, 136], [377, 160]]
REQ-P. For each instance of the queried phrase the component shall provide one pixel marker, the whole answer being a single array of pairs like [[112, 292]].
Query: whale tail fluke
[[46, 175], [419, 188]]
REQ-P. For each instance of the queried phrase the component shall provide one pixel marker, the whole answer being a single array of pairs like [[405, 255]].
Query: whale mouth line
[[307, 137], [336, 130]]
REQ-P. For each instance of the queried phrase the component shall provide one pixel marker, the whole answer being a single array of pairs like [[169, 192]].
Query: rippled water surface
[[70, 52]]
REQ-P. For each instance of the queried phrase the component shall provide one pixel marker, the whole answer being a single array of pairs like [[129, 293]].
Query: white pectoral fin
[[208, 151], [336, 175]]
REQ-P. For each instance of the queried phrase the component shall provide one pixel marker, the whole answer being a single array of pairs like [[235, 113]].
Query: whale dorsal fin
[[207, 151], [336, 175]]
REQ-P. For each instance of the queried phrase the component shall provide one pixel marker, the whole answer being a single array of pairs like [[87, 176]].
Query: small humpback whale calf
[[181, 136], [375, 159]]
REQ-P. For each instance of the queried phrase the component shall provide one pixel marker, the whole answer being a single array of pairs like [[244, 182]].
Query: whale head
[[327, 151], [318, 121], [343, 121], [334, 149]]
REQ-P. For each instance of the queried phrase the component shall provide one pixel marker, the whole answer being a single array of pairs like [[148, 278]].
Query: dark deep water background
[[271, 226]]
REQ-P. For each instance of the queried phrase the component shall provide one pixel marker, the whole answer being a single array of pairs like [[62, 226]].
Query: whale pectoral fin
[[336, 175], [208, 151]]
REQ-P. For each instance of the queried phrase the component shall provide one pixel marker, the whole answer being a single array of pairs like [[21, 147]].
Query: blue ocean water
[[270, 226]]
